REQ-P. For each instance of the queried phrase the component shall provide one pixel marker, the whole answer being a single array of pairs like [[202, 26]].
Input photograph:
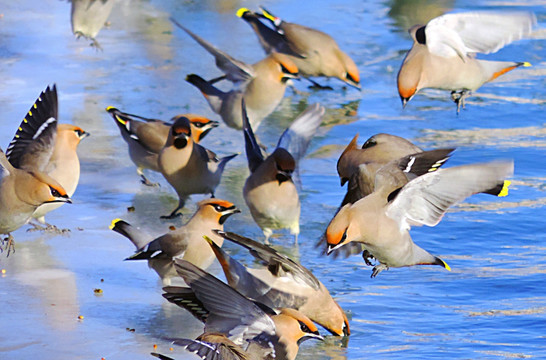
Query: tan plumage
[[185, 242], [269, 191], [262, 332], [64, 164], [381, 221], [23, 184], [314, 52], [443, 52], [188, 166], [88, 18], [262, 85], [281, 283], [146, 137]]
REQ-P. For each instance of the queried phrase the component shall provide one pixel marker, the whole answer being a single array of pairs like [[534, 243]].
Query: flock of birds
[[266, 312]]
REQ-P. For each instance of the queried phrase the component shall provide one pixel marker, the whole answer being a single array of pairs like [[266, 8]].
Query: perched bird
[[269, 191], [263, 333], [146, 137], [64, 165], [443, 52], [185, 242], [381, 221], [88, 18], [262, 85], [281, 283], [24, 185], [314, 52], [188, 166]]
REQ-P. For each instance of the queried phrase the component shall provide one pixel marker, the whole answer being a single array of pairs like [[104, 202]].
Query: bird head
[[287, 68], [181, 132], [217, 209], [285, 165], [200, 126], [340, 231], [45, 190], [294, 327], [344, 167]]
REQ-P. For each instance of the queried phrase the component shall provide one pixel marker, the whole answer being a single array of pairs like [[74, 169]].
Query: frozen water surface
[[491, 306]]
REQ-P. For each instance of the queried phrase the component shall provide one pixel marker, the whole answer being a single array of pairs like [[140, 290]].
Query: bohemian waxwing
[[64, 165], [281, 283], [188, 166], [381, 221], [443, 52], [262, 85], [185, 242], [269, 191], [24, 185], [314, 52], [88, 18], [262, 332], [146, 137]]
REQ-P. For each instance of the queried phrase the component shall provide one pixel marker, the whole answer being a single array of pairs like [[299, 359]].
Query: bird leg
[[215, 80], [459, 97], [47, 228], [317, 86], [10, 244], [267, 233], [173, 215], [144, 179], [368, 257], [378, 268]]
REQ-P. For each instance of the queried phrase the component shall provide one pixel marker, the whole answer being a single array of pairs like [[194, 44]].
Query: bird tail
[[498, 68], [224, 161], [213, 95], [138, 237], [500, 190]]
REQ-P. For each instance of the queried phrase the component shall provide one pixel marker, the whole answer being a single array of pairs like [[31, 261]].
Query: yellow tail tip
[[113, 223], [108, 108], [268, 15], [526, 64], [208, 240], [504, 190], [446, 266], [242, 11]]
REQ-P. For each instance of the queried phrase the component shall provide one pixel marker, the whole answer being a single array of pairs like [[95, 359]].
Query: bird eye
[[219, 208], [368, 144], [55, 192], [304, 327], [344, 237], [79, 132], [198, 125]]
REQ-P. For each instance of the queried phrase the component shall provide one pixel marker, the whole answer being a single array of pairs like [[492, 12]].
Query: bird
[[262, 85], [63, 166], [210, 346], [381, 221], [269, 191], [262, 332], [88, 18], [185, 242], [281, 283], [314, 52], [187, 166], [146, 137], [24, 185], [443, 55]]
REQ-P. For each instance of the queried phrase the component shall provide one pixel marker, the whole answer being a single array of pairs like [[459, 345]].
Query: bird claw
[[145, 181], [317, 86], [47, 228], [367, 256], [459, 98], [10, 245], [377, 269]]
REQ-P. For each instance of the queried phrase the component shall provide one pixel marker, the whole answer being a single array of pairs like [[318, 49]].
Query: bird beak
[[333, 247], [61, 200], [84, 135], [308, 336], [227, 214]]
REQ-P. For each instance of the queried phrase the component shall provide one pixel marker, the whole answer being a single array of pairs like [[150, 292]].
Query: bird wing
[[230, 312], [295, 139], [235, 70], [253, 151], [5, 165], [476, 32], [278, 265], [33, 143], [424, 200], [208, 350]]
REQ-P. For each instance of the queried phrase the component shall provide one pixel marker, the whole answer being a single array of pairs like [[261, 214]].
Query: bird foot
[[459, 98], [145, 181], [378, 268], [10, 245], [317, 86], [368, 257]]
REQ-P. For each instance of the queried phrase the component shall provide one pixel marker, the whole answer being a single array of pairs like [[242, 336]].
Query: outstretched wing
[[476, 32]]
